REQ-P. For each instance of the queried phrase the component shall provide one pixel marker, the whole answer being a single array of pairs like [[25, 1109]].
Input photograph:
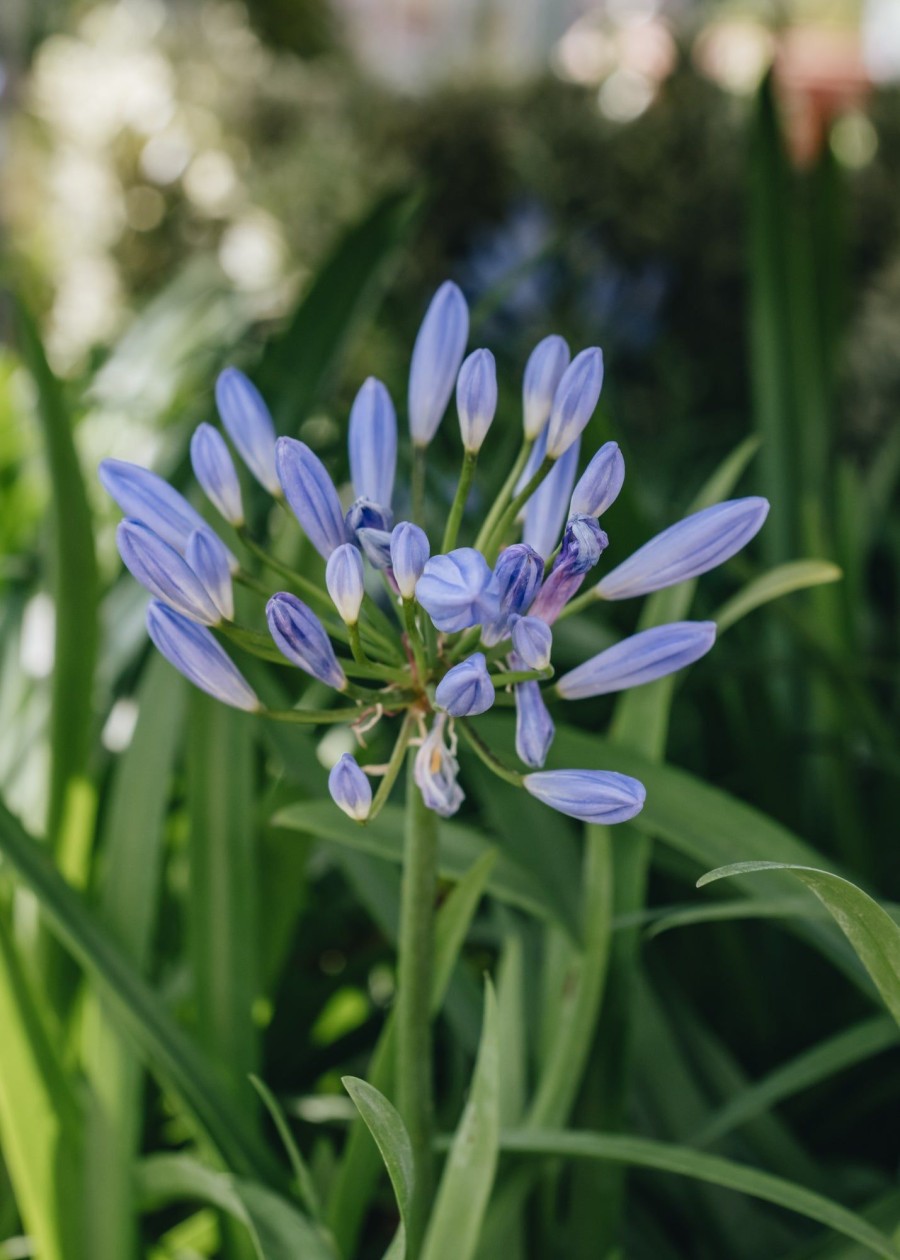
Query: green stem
[[468, 643], [418, 484], [415, 640], [485, 754], [356, 646], [251, 641], [393, 768], [252, 583], [459, 501], [312, 717], [508, 678], [414, 968], [304, 584], [497, 535], [506, 491]]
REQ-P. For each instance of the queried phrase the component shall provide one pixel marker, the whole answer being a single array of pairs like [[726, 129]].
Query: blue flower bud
[[310, 494], [639, 659], [249, 425], [160, 569], [364, 514], [372, 443], [693, 546], [476, 398], [214, 469], [458, 590], [583, 544], [546, 508], [437, 354], [435, 771], [532, 640], [344, 579], [575, 401], [600, 483], [518, 574], [207, 556], [147, 498], [466, 690], [594, 796], [195, 653], [534, 725], [350, 788], [300, 636], [543, 373], [376, 545], [409, 551]]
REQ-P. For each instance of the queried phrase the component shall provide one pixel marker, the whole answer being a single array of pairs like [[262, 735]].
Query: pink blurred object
[[820, 74]]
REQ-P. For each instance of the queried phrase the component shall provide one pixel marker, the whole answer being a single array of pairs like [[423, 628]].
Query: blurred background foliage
[[710, 192]]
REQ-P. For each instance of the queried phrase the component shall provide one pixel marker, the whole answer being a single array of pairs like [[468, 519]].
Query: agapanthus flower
[[439, 633]]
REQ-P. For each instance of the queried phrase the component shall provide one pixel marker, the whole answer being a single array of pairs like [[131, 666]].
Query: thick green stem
[[506, 491], [414, 967], [459, 501]]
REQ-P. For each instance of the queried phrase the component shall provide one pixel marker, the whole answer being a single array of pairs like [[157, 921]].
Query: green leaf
[[222, 907], [305, 1184], [75, 595], [277, 1230], [468, 1176], [460, 847], [681, 1160], [383, 1121], [340, 297], [132, 845], [141, 1014], [868, 927], [41, 1125], [359, 1165], [784, 579], [663, 919], [834, 1054]]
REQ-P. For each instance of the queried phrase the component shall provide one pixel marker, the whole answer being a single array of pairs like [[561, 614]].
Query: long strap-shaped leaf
[[143, 1017], [645, 1153]]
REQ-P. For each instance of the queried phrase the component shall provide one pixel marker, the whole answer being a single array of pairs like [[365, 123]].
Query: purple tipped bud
[[600, 483], [532, 640], [344, 579], [160, 569], [693, 546], [546, 508], [195, 653], [435, 770], [372, 443], [300, 636], [311, 495], [207, 556], [409, 552], [364, 514], [147, 498], [543, 372], [249, 425], [575, 401], [376, 545], [214, 469], [437, 354], [594, 796], [518, 574], [534, 725], [350, 789], [642, 658], [476, 398], [583, 544], [466, 690], [458, 590]]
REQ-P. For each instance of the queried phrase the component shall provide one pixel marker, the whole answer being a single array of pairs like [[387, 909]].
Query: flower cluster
[[436, 639]]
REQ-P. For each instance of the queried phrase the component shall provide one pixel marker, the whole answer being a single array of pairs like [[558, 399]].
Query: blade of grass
[[170, 1052], [682, 1161]]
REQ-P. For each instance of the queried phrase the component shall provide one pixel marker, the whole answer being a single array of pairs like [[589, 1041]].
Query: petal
[[372, 443], [437, 354], [640, 659], [249, 424], [160, 569], [195, 653], [596, 796]]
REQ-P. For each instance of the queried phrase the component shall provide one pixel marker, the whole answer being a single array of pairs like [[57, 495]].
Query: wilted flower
[[456, 613]]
